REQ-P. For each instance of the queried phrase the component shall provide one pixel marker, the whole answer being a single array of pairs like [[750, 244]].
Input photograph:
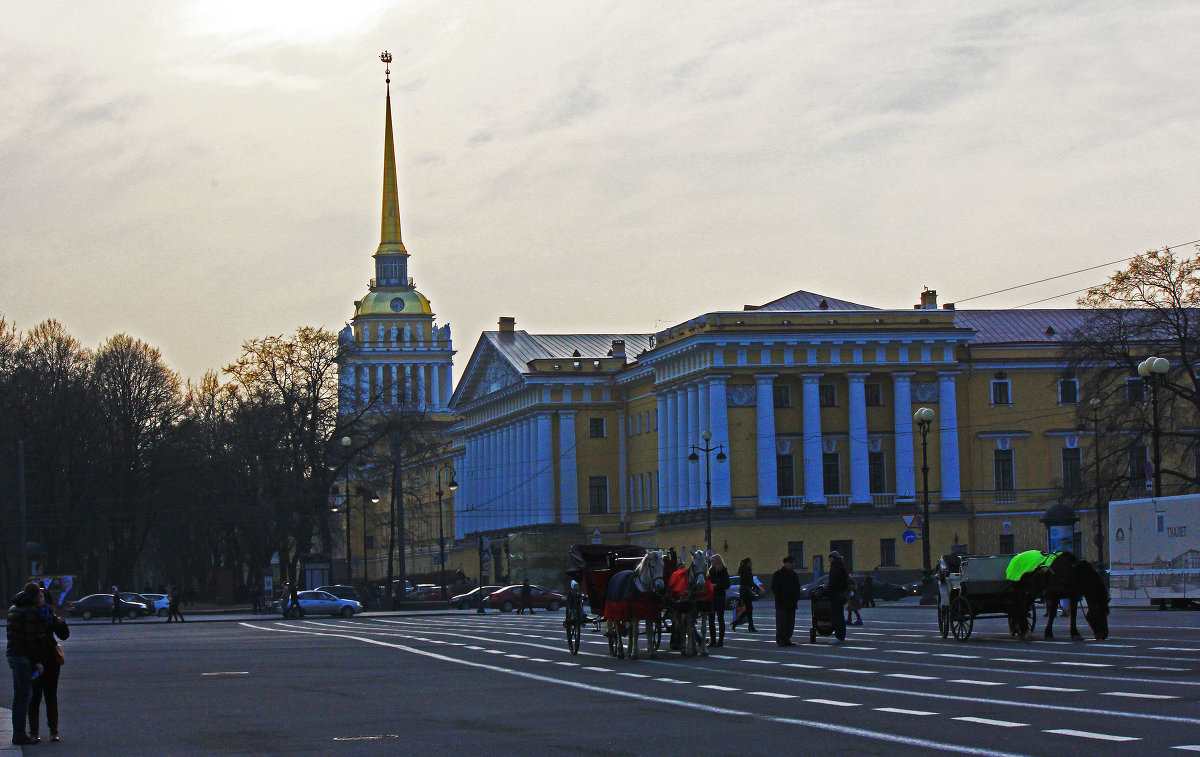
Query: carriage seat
[[950, 564]]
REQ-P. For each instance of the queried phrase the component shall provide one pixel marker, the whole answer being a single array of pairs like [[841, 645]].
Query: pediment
[[487, 372]]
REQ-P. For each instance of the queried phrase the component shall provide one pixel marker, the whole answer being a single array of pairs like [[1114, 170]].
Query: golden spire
[[389, 235]]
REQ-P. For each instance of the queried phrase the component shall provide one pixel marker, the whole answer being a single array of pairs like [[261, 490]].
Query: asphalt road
[[505, 684]]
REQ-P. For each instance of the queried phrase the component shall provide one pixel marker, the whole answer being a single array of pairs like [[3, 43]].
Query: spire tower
[[390, 242]]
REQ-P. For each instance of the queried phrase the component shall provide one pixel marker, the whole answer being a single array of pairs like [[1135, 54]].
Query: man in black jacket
[[839, 584], [785, 585], [24, 630]]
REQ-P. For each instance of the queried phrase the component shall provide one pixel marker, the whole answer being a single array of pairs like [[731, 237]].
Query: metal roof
[[803, 300], [519, 347], [1021, 326]]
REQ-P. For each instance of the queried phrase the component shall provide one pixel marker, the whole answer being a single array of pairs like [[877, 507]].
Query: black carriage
[[590, 566], [971, 587]]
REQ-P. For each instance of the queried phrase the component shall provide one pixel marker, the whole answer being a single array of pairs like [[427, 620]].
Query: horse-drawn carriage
[[971, 587], [626, 589]]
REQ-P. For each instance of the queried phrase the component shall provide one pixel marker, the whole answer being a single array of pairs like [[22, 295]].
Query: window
[[1001, 392], [782, 396], [887, 552], [1068, 391], [874, 394], [596, 428], [1135, 391], [796, 550], [846, 548], [1006, 544], [827, 395], [1072, 469], [785, 475], [1002, 466], [877, 471], [598, 495], [1139, 465], [831, 472]]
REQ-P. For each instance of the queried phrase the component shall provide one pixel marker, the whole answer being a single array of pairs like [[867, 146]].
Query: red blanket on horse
[[677, 587], [644, 608]]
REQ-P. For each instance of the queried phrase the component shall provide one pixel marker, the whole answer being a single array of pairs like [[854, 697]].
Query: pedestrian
[[746, 595], [116, 618], [839, 584], [292, 602], [718, 576], [785, 585], [173, 606], [854, 601], [255, 599], [46, 685], [526, 601], [23, 630], [868, 591]]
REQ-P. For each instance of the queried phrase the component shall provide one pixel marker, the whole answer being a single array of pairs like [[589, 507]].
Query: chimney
[[928, 300], [508, 324], [618, 348]]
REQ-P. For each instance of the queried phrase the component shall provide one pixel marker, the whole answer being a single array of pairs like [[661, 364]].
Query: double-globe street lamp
[[452, 485], [346, 443], [924, 417], [1153, 369], [706, 448], [1094, 403]]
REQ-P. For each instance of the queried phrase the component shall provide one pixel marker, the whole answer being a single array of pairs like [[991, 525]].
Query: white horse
[[624, 589], [688, 591]]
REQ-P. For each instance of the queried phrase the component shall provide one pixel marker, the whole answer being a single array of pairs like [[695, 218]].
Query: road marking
[[958, 656], [989, 721], [1135, 695], [517, 656], [722, 657], [494, 651], [912, 676], [761, 662], [633, 675], [1109, 645], [1012, 659], [772, 694], [801, 665], [852, 670], [1158, 667], [671, 680], [976, 683], [1175, 649], [228, 673], [715, 687], [906, 651], [833, 702], [1090, 735], [1188, 747], [902, 711], [568, 664], [598, 670], [538, 659], [472, 646], [1061, 689], [1083, 664]]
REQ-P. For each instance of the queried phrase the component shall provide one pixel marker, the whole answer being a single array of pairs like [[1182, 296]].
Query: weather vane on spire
[[386, 57]]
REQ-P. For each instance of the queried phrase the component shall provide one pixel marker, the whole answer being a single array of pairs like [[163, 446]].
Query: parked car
[[427, 593], [323, 603], [160, 603], [734, 593], [471, 598], [101, 606], [880, 589], [343, 592], [508, 598]]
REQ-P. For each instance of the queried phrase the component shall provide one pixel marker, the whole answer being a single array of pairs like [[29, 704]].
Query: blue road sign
[[910, 537]]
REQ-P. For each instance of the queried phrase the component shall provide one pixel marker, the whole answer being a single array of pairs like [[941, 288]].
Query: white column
[[860, 472], [768, 475], [379, 382], [493, 478], [364, 384], [568, 480], [511, 451], [435, 386], [529, 485], [447, 383], [460, 501], [545, 469], [695, 474], [905, 473], [421, 385], [948, 437], [392, 395], [346, 396], [660, 422], [407, 382], [668, 428], [814, 481], [679, 452], [718, 420]]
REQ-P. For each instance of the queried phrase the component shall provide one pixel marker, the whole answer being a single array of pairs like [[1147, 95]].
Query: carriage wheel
[[944, 620], [960, 618]]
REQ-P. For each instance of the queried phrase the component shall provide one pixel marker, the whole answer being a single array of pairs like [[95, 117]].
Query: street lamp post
[[1094, 403], [706, 448], [1153, 369], [346, 442], [452, 485], [924, 417]]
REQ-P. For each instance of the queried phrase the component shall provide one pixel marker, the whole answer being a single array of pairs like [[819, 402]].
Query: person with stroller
[[839, 585]]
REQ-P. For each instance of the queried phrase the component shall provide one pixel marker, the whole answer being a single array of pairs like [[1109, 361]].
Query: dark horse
[[1070, 578]]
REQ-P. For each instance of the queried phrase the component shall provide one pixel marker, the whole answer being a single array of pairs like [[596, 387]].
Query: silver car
[[324, 603]]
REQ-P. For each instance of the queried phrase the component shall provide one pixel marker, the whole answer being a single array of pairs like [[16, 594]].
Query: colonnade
[[427, 385]]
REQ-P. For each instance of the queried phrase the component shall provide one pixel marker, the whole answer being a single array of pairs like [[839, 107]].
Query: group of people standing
[[36, 658]]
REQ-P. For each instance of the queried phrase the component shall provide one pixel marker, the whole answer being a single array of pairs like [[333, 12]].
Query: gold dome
[[393, 303]]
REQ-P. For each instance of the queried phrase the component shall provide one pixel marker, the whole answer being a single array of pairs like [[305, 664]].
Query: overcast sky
[[200, 173]]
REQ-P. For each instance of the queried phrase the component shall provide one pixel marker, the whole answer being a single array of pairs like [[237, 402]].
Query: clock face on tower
[[397, 304]]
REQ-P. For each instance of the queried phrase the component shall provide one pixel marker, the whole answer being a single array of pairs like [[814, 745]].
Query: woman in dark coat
[[746, 595], [718, 576], [23, 630], [47, 683]]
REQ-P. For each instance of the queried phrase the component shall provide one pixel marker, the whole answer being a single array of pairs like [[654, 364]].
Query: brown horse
[[1065, 577]]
